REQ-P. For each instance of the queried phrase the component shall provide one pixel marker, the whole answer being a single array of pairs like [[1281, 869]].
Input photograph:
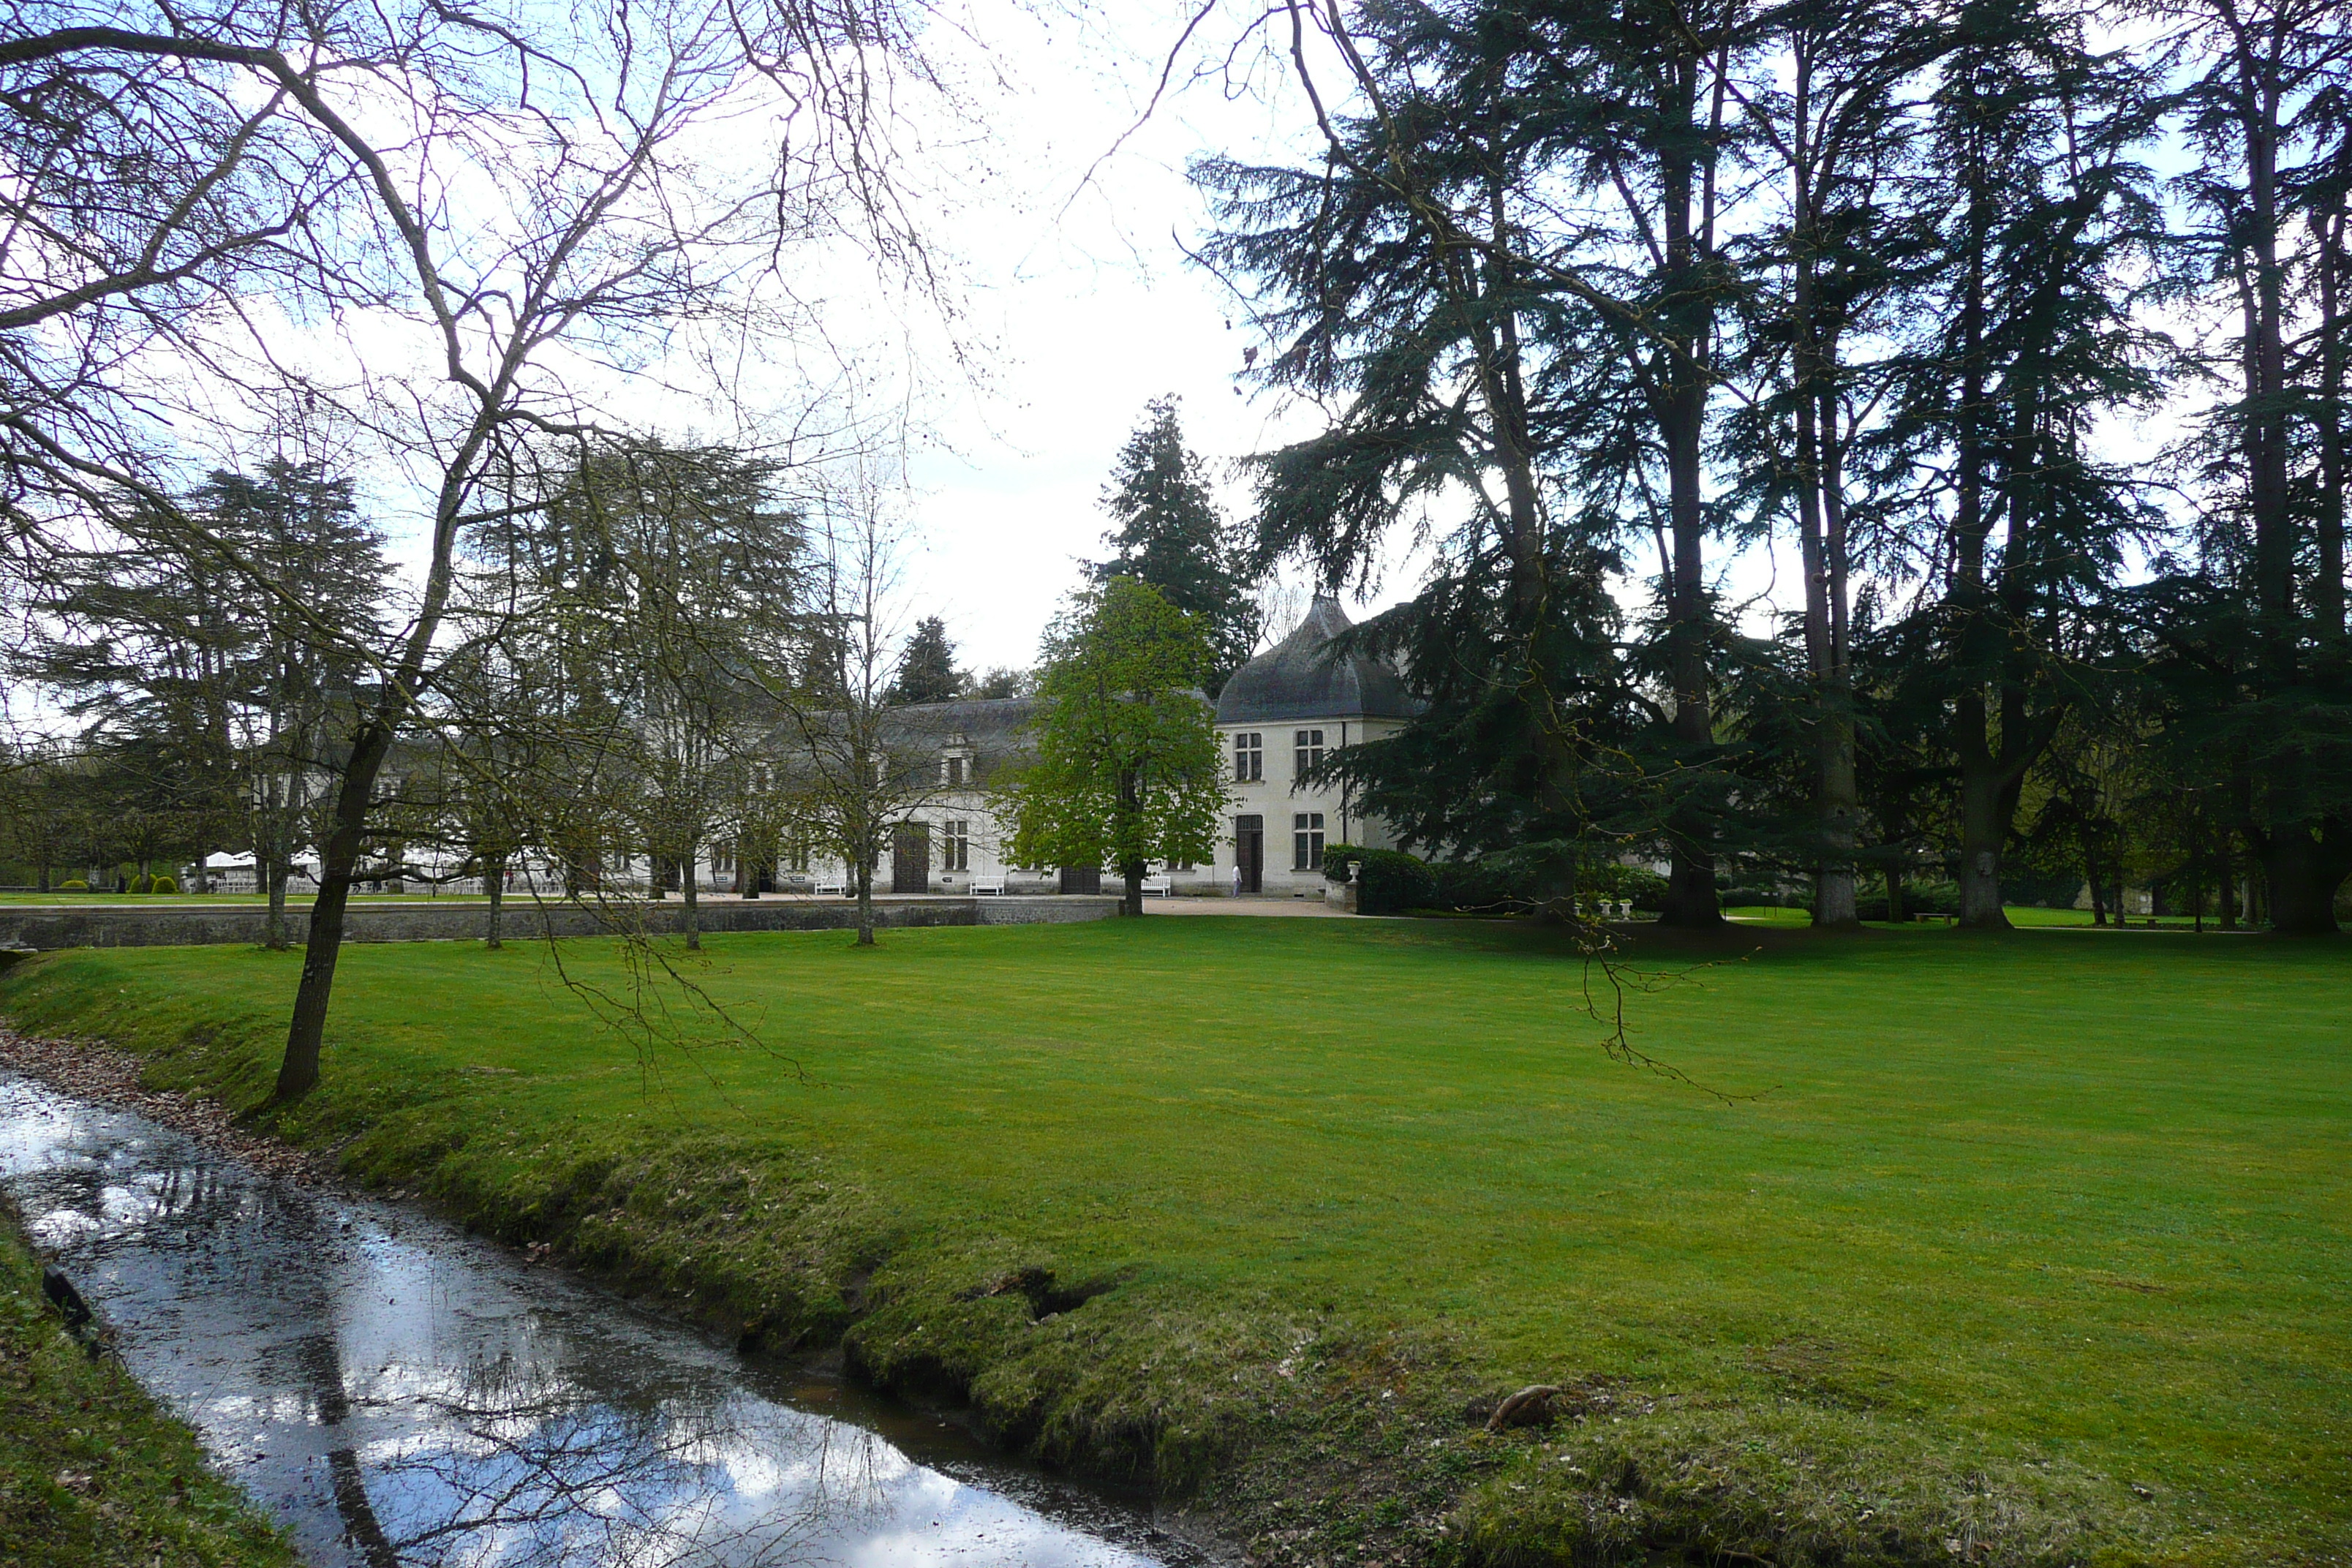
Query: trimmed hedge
[[163, 884], [73, 885], [1394, 882]]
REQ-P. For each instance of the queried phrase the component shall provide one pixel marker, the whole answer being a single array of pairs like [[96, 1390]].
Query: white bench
[[993, 886], [839, 889], [1164, 884]]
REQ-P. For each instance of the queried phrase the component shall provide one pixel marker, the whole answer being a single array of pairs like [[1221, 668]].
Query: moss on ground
[[2024, 1262], [92, 1474]]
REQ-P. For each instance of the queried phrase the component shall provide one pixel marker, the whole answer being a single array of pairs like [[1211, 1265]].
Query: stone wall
[[42, 927]]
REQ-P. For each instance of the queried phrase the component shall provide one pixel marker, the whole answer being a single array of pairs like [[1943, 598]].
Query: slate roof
[[1299, 678], [994, 728]]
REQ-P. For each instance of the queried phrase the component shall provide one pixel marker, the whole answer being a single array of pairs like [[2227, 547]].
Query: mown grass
[[2029, 1248], [92, 1474]]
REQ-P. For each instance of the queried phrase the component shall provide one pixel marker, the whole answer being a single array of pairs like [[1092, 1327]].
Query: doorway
[[910, 857], [1249, 852]]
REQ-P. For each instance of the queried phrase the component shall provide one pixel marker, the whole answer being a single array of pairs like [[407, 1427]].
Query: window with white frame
[[1309, 753], [1249, 757], [1306, 841], [954, 769], [955, 846]]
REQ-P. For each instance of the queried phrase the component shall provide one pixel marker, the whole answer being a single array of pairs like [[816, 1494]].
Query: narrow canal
[[398, 1392]]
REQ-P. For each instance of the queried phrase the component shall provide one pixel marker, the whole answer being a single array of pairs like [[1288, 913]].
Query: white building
[[1278, 717]]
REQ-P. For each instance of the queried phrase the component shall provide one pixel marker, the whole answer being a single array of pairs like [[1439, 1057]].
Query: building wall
[[1280, 801], [1277, 798]]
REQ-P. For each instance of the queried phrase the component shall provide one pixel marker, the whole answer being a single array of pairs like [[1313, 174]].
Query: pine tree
[[1171, 536], [927, 669]]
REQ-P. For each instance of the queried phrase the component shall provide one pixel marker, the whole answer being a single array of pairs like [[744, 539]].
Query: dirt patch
[[91, 1071]]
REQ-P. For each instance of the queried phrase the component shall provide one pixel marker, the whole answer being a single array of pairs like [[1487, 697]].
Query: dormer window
[[955, 770], [1249, 757]]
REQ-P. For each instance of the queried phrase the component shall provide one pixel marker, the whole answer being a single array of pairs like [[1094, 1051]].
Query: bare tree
[[529, 208], [855, 770]]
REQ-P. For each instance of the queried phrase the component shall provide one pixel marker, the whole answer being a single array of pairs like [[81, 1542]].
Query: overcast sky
[[1081, 289]]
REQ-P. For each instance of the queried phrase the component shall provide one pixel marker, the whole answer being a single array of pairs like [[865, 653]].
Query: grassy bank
[[92, 1474], [2034, 1251]]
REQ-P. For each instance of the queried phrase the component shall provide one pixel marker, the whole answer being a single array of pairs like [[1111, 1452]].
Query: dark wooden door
[[910, 857], [1249, 852], [1082, 879]]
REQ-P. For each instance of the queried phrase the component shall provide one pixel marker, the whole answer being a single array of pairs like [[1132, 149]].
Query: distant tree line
[[1611, 297]]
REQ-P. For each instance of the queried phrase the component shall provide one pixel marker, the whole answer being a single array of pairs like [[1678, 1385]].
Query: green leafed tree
[[1127, 770], [1171, 536], [927, 669]]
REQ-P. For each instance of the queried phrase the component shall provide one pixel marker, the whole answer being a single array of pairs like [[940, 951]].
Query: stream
[[396, 1392]]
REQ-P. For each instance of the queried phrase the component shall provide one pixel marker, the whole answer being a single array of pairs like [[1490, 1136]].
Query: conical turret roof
[[1301, 678]]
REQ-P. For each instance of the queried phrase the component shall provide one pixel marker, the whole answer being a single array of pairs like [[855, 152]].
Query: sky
[[1080, 284]]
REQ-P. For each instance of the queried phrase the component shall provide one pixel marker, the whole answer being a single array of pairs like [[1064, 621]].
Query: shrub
[[163, 884], [1394, 882], [138, 885], [73, 885]]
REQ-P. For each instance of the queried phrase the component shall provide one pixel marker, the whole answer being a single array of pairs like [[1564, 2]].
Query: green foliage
[[1397, 883], [73, 885], [1171, 536], [163, 884], [139, 883], [1129, 768]]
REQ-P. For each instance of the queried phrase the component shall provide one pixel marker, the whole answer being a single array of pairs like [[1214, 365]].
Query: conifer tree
[[927, 669], [1171, 536]]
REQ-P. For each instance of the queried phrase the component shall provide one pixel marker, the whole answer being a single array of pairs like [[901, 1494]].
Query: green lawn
[[2022, 1236]]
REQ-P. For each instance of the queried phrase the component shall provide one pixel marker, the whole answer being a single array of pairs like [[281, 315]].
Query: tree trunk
[[494, 877], [687, 921], [866, 905], [45, 874], [299, 1073], [1984, 832], [1896, 912], [273, 925], [1130, 901]]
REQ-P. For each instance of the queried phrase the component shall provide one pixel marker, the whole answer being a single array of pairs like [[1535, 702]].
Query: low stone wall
[[42, 927]]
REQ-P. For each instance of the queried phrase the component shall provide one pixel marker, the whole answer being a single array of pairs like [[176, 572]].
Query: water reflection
[[401, 1394]]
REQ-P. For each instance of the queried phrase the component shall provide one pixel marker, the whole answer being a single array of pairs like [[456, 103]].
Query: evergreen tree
[[1171, 536], [927, 669]]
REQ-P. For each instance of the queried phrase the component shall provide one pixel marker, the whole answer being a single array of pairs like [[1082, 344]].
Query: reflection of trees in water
[[322, 1361], [534, 1455], [573, 1480]]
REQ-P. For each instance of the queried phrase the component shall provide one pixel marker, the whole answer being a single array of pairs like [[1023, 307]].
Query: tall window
[[1310, 752], [1306, 841], [954, 774], [1249, 757], [796, 852], [955, 847]]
